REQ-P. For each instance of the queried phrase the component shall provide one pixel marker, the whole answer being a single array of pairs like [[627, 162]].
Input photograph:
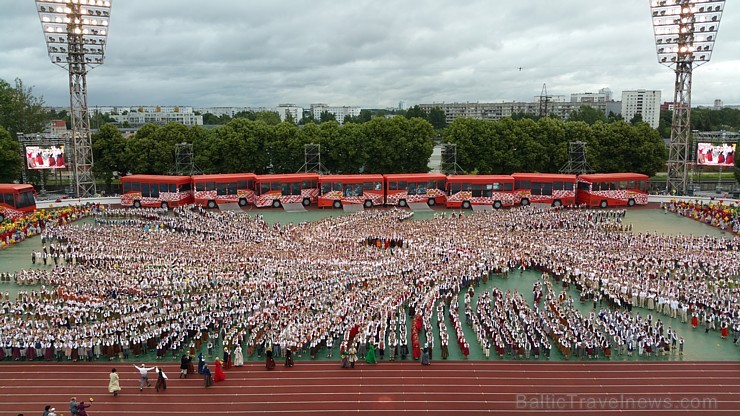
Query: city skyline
[[262, 54]]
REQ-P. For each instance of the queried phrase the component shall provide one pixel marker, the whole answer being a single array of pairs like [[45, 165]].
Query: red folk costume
[[219, 373]]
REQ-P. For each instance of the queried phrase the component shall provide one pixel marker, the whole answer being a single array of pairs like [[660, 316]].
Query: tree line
[[381, 145]]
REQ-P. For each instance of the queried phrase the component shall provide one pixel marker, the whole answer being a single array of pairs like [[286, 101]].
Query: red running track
[[444, 388]]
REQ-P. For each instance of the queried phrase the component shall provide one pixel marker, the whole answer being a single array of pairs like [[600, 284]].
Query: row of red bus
[[456, 191]]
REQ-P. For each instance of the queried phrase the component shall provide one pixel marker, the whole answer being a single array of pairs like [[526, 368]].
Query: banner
[[709, 154], [47, 157]]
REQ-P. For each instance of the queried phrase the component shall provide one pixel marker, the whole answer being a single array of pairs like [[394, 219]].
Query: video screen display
[[45, 157], [716, 154]]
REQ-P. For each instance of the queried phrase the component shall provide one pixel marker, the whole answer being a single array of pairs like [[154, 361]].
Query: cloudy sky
[[365, 53]]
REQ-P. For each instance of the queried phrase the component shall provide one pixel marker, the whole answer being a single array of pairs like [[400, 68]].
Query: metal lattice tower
[[76, 32], [449, 159], [577, 163], [184, 163], [312, 159], [685, 32], [544, 102]]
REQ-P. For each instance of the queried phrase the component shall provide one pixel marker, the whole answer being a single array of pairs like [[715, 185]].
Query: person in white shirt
[[143, 370]]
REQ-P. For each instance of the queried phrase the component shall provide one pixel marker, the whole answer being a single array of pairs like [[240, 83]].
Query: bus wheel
[[631, 203], [556, 203], [525, 202], [466, 204], [211, 204], [137, 204], [603, 204], [165, 205], [306, 202], [242, 202], [337, 204], [431, 202], [402, 203], [368, 203], [497, 204], [276, 203]]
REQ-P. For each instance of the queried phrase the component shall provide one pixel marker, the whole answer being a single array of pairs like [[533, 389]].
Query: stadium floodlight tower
[[76, 32], [685, 31]]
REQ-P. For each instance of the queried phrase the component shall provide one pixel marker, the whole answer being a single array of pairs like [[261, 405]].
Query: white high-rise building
[[643, 102], [339, 112]]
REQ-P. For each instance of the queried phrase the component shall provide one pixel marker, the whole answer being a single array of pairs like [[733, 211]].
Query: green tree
[[11, 162], [636, 119], [109, 152], [437, 118], [587, 114], [398, 145], [416, 112], [20, 110], [326, 117], [271, 118]]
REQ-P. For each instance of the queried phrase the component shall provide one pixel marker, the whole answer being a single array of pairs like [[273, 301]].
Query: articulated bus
[[213, 190], [468, 190], [545, 188], [338, 190], [156, 191], [612, 189], [406, 188], [16, 200], [291, 188]]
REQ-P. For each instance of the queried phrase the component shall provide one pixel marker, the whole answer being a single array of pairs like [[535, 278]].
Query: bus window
[[210, 186], [185, 187], [285, 188], [516, 184], [200, 186], [173, 188], [306, 184], [569, 186], [221, 189], [378, 186], [250, 184], [455, 188], [496, 186], [145, 190], [536, 188], [276, 186], [295, 188], [487, 190], [440, 184], [337, 186], [643, 186], [241, 185], [422, 188], [476, 190], [154, 189], [582, 186], [623, 185], [631, 185], [264, 188], [26, 200], [126, 187], [412, 188], [325, 188], [557, 186], [526, 185], [614, 186], [135, 186], [358, 189], [547, 188], [392, 186], [402, 185], [508, 186], [9, 200], [163, 187], [367, 186]]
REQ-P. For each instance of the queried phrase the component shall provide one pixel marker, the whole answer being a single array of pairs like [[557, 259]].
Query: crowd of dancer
[[15, 231], [142, 281], [717, 214]]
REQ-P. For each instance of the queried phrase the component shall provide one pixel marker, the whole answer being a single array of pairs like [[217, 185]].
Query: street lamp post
[[76, 33], [685, 32]]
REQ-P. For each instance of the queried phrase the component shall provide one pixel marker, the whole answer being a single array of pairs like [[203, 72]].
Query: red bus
[[156, 191], [545, 188], [212, 190], [290, 188], [468, 190], [16, 200], [612, 189], [338, 190], [405, 188]]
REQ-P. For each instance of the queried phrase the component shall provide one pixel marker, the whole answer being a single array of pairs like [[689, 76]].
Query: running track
[[444, 388]]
